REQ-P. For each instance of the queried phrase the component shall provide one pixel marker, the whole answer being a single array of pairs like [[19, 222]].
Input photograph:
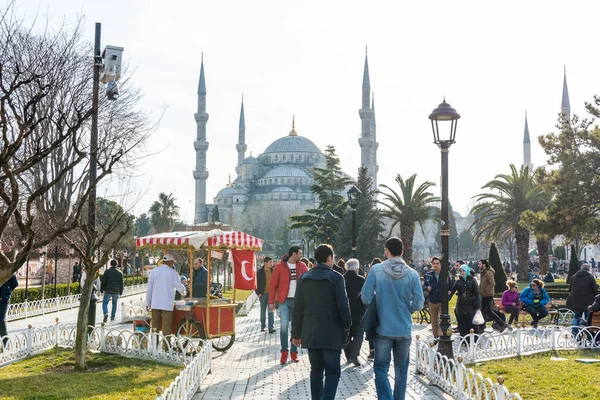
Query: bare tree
[[45, 117]]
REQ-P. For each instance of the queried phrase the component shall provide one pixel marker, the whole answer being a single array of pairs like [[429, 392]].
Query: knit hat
[[466, 268]]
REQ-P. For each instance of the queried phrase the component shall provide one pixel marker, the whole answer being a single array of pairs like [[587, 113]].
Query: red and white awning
[[215, 238]]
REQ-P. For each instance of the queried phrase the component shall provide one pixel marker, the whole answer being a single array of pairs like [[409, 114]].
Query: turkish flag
[[244, 267]]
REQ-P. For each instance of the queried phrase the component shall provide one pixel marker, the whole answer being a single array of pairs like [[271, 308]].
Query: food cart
[[212, 318]]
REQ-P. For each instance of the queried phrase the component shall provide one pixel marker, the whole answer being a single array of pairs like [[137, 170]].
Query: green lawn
[[51, 375], [240, 295], [539, 377]]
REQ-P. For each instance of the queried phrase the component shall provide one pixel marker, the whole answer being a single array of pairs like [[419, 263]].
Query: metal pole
[[94, 133], [55, 266], [27, 279], [445, 343], [69, 277], [354, 232]]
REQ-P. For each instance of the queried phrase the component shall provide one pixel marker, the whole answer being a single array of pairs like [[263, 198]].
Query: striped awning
[[215, 238], [235, 240]]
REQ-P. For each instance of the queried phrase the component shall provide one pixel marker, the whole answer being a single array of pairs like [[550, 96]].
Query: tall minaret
[[366, 140], [373, 129], [241, 146], [565, 108], [201, 145], [527, 146]]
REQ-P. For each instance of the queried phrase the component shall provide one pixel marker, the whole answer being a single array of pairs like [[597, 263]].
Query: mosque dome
[[292, 144], [287, 171], [225, 192]]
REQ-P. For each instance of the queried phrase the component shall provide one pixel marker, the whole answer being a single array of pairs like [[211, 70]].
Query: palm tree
[[408, 208], [498, 213], [163, 213]]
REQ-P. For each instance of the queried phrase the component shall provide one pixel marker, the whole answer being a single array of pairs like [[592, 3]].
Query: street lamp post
[[457, 255], [328, 217], [69, 278], [44, 252], [302, 242], [448, 117], [353, 200], [55, 266]]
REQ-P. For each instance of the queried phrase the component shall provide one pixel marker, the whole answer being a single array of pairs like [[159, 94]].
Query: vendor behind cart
[[162, 283], [200, 279]]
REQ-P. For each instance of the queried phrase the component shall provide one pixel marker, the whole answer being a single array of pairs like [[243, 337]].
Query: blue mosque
[[276, 184]]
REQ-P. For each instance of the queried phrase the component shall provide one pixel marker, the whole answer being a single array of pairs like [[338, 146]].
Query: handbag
[[478, 318]]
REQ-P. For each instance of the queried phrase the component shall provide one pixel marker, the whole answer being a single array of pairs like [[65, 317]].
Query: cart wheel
[[191, 329], [223, 343]]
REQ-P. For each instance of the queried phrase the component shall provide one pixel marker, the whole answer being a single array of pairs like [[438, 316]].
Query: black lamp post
[[55, 266], [302, 243], [328, 217], [353, 200], [447, 117], [457, 255]]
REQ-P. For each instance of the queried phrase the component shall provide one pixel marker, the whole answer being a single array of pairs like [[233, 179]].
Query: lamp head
[[353, 197], [448, 116]]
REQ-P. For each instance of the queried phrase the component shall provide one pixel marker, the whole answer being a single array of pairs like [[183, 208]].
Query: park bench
[[552, 312]]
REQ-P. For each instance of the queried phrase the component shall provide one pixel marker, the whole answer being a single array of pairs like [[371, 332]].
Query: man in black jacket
[[354, 284], [320, 322], [5, 292], [582, 290], [112, 287]]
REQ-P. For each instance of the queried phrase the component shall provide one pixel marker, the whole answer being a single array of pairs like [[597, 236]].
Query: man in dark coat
[[5, 292], [112, 287], [320, 322], [582, 290], [199, 279], [354, 284]]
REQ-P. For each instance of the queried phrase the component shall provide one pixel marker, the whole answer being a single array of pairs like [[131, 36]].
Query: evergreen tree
[[496, 264], [142, 225], [573, 264], [330, 189], [368, 225], [215, 214]]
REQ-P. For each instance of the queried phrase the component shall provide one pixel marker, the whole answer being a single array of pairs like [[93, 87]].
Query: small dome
[[292, 144], [225, 192], [286, 171], [281, 189], [250, 160]]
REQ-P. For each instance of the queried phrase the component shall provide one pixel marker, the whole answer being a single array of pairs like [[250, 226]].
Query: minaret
[[366, 140], [241, 146], [201, 146], [565, 108], [373, 129], [527, 147]]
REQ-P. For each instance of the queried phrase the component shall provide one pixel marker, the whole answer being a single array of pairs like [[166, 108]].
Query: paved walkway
[[251, 370]]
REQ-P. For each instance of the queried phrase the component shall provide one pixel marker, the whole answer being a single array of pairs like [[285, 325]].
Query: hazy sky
[[492, 61]]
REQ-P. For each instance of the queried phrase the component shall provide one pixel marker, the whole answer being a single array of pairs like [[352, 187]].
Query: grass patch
[[51, 375], [240, 295], [538, 377]]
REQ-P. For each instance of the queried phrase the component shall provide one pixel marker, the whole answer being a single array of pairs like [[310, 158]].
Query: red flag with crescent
[[244, 267]]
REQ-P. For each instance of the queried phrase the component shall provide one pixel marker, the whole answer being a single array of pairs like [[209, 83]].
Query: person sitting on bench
[[511, 303], [535, 299]]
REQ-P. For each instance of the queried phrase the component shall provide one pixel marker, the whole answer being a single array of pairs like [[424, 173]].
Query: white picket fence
[[29, 309], [464, 383], [245, 309], [195, 354]]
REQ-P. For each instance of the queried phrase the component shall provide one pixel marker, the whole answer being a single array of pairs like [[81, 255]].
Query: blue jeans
[[384, 346], [328, 361], [285, 316], [264, 308], [3, 311], [577, 319], [110, 296], [537, 312]]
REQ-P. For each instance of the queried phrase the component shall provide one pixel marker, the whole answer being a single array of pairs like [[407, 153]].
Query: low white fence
[[465, 384], [245, 309], [196, 354], [29, 309]]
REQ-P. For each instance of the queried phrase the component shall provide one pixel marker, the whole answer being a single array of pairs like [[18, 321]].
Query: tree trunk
[[82, 319], [543, 248], [522, 239], [407, 233]]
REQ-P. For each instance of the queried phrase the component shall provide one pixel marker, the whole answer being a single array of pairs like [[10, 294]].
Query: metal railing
[[29, 309], [195, 354], [463, 383]]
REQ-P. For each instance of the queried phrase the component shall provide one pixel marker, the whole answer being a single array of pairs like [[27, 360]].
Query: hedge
[[35, 293]]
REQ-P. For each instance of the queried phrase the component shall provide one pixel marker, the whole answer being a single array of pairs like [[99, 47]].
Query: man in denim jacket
[[399, 294]]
